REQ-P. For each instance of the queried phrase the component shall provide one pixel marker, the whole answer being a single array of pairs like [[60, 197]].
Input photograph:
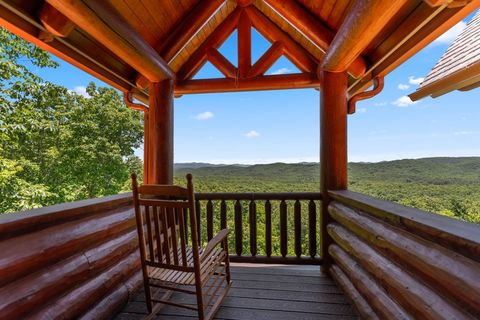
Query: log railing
[[70, 261], [265, 227], [399, 263]]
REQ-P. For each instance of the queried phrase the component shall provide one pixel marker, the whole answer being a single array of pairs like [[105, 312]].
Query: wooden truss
[[247, 76]]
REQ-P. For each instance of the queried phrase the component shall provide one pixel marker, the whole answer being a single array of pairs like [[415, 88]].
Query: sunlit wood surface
[[265, 292]]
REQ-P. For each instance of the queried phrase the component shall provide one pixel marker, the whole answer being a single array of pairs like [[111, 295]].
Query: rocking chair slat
[[174, 261]]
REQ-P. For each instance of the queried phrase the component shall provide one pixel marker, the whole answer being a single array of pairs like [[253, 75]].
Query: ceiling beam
[[293, 51], [104, 23], [214, 40], [409, 38], [363, 23], [272, 82], [55, 22], [183, 34], [315, 31]]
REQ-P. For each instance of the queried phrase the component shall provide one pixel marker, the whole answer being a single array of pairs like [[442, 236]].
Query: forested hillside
[[449, 186]]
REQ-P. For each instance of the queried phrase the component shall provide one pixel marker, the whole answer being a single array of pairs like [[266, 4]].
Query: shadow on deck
[[265, 292]]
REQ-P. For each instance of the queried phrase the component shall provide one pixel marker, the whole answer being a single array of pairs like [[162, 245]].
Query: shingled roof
[[459, 67]]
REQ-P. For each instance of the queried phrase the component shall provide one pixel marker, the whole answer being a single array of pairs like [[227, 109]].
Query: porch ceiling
[[127, 43]]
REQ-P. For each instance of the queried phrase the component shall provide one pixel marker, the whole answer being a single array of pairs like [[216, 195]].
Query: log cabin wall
[[74, 260], [399, 263]]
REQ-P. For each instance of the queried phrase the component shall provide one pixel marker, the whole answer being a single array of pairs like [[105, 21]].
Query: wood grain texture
[[103, 23], [420, 300], [447, 271]]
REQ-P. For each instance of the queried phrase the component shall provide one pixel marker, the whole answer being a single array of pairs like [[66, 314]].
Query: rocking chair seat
[[207, 268]]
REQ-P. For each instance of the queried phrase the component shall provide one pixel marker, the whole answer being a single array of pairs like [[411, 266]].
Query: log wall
[[401, 263], [74, 260]]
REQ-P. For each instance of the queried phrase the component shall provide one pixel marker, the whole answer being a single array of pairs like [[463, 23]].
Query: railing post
[[333, 147]]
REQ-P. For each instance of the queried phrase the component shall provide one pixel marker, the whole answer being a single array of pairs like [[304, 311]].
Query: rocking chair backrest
[[161, 213]]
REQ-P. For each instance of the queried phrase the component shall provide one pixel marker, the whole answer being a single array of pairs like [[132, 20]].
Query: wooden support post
[[160, 133], [333, 146]]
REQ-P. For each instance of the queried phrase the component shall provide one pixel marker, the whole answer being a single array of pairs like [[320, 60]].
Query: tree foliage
[[55, 145]]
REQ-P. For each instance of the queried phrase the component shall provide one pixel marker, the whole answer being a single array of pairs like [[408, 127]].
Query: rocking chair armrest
[[214, 242]]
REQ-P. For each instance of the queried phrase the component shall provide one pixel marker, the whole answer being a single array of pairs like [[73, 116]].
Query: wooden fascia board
[[26, 27], [395, 51], [457, 80]]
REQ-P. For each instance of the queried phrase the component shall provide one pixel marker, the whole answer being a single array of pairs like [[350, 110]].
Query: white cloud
[[413, 80], [362, 110], [379, 104], [402, 86], [81, 90], [282, 71], [403, 101], [451, 34], [465, 133], [252, 134], [204, 115]]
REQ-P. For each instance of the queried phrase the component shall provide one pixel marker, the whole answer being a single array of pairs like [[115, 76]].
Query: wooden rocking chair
[[170, 260]]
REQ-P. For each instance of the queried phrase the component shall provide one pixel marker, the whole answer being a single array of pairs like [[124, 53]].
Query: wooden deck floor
[[266, 292]]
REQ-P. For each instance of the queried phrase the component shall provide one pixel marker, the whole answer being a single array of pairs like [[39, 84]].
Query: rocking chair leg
[[148, 298]]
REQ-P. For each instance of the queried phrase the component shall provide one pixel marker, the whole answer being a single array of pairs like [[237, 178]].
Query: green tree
[[56, 145]]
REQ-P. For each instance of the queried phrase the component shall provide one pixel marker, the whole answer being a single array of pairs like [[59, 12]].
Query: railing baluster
[[238, 228], [199, 221], [283, 228], [223, 215], [252, 211], [298, 228], [268, 228], [209, 220], [186, 224], [312, 228]]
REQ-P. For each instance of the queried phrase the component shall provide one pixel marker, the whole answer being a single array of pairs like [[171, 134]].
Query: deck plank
[[263, 292]]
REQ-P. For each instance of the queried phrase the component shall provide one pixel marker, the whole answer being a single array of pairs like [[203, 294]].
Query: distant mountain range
[[440, 170]]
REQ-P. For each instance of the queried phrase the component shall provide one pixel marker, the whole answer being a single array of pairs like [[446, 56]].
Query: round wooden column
[[160, 133], [333, 146]]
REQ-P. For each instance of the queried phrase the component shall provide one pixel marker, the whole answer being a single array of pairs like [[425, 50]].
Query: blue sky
[[283, 126]]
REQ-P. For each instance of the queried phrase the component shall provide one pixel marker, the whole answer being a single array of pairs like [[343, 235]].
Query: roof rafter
[[292, 50], [183, 34], [104, 23], [363, 23], [216, 38], [315, 31]]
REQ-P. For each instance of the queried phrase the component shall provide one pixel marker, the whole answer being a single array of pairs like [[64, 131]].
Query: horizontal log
[[363, 308], [364, 22], [24, 296], [114, 301], [271, 82], [33, 251], [420, 300], [371, 291], [315, 31], [276, 260], [259, 196], [460, 236], [84, 297], [446, 270], [16, 224], [105, 24]]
